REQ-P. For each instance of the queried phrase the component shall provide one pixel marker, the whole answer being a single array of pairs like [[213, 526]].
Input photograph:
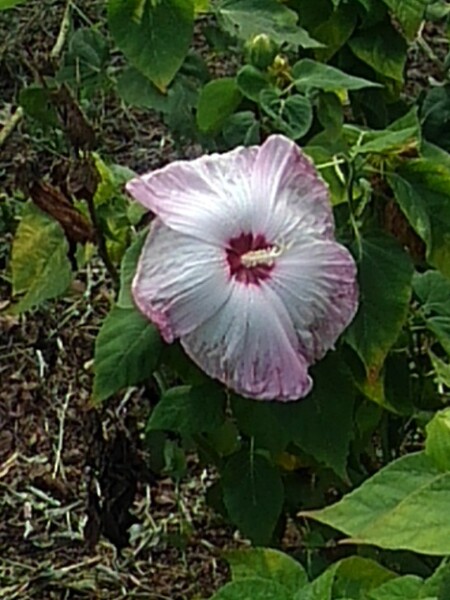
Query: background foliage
[[375, 432]]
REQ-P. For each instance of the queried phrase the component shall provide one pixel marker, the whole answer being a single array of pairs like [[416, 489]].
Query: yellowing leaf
[[39, 263]]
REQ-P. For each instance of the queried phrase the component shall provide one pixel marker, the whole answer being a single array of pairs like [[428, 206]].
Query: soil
[[73, 479], [80, 514]]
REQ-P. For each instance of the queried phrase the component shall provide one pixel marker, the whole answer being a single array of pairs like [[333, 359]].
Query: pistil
[[262, 257]]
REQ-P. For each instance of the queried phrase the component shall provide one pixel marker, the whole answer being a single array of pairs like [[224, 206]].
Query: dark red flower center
[[249, 258]]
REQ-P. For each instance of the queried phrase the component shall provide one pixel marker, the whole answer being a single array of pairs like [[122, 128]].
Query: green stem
[[101, 242], [351, 202]]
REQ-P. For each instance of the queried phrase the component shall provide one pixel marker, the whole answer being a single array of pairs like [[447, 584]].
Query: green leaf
[[385, 274], [292, 116], [183, 96], [332, 174], [185, 369], [247, 18], [372, 12], [328, 408], [225, 439], [246, 480], [113, 207], [351, 577], [382, 48], [128, 269], [388, 142], [39, 264], [258, 420], [37, 103], [135, 213], [175, 464], [310, 74], [4, 4], [400, 136], [251, 81], [422, 189], [112, 180], [241, 128], [441, 369], [90, 48], [86, 61], [189, 409], [435, 114], [412, 205], [433, 291], [334, 30], [409, 14], [154, 35], [269, 564], [321, 588], [127, 351], [217, 101], [356, 576], [438, 439], [195, 67], [253, 588], [438, 585], [202, 6], [409, 119], [330, 113], [408, 586], [387, 510], [136, 89]]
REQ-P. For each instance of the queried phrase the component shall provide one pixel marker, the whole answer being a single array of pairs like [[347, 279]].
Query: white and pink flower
[[242, 266]]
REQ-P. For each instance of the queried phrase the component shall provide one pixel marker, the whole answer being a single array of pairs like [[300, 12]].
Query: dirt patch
[[54, 459]]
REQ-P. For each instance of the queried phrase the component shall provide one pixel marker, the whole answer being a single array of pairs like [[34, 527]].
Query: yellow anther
[[256, 258]]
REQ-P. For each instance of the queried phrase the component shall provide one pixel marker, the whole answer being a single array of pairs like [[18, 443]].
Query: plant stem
[[101, 242], [64, 28], [352, 212], [10, 125]]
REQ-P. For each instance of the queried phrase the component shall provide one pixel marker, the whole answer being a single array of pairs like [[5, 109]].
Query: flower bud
[[260, 51]]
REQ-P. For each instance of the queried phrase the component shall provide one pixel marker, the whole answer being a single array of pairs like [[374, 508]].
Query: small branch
[[10, 125], [62, 419], [64, 28], [101, 242], [426, 48]]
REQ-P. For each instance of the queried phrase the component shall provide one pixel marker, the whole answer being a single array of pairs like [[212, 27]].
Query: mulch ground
[[68, 472]]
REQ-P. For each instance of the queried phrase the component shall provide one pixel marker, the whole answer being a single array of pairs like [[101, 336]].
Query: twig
[[59, 447], [426, 48], [90, 562], [8, 464], [101, 242], [64, 28], [43, 496], [10, 125]]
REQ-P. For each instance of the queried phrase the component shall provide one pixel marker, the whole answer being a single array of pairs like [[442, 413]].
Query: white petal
[[208, 197], [316, 281], [250, 345], [180, 281], [288, 191]]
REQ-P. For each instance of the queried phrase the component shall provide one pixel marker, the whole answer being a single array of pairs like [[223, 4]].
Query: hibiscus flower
[[242, 266]]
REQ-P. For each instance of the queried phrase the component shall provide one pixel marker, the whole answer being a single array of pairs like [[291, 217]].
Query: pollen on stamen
[[251, 258], [262, 257]]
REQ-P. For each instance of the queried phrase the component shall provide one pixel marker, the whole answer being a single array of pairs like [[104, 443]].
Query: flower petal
[[316, 281], [287, 191], [208, 197], [250, 345], [180, 281]]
